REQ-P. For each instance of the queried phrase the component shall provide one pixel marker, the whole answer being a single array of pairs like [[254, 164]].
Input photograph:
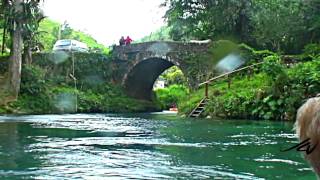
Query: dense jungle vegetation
[[279, 25]]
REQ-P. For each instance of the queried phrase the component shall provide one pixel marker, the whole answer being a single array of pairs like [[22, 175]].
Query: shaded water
[[146, 147]]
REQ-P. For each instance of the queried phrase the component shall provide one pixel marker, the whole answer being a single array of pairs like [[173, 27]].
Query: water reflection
[[145, 147], [17, 159], [9, 146]]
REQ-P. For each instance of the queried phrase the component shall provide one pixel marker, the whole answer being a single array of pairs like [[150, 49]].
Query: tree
[[286, 25], [15, 9], [173, 76], [275, 23], [32, 16], [311, 19], [3, 23], [19, 17], [65, 31], [203, 19]]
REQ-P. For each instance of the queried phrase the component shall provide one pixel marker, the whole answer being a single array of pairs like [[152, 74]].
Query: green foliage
[[232, 104], [25, 17], [253, 56], [173, 75], [289, 87], [3, 110], [275, 93], [161, 34], [306, 76], [277, 25], [32, 16], [171, 96], [207, 19], [33, 81], [66, 31], [49, 33], [277, 74], [35, 96], [187, 104], [40, 104], [239, 100], [312, 50]]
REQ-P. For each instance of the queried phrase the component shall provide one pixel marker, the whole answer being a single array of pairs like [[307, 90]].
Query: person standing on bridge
[[128, 40], [122, 41]]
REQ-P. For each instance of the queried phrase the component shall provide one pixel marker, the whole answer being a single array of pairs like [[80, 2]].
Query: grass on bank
[[239, 85]]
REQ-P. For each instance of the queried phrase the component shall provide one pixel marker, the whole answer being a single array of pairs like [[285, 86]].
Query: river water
[[146, 146]]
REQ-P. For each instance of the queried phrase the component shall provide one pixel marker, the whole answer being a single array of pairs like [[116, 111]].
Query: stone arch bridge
[[134, 67], [139, 65]]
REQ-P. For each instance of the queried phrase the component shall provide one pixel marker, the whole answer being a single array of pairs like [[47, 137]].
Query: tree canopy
[[281, 25]]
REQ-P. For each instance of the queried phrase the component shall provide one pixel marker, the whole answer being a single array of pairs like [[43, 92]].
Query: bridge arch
[[139, 80]]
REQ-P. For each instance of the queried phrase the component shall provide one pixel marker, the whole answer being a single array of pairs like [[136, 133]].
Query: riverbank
[[40, 94], [274, 91]]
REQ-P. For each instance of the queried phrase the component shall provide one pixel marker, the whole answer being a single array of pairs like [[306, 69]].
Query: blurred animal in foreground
[[308, 127]]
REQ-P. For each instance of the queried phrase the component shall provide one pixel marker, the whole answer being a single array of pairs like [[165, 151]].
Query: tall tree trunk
[[16, 56]]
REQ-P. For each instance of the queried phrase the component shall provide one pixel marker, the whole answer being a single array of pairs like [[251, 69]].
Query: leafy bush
[[170, 96], [312, 50], [230, 105], [306, 75], [32, 81], [40, 104], [35, 96], [173, 76], [253, 56], [239, 101], [289, 89], [277, 74]]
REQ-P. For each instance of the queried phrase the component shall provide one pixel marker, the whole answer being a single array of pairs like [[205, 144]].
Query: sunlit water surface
[[146, 146]]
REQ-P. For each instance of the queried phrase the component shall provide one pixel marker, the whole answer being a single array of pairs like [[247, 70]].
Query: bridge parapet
[[160, 48]]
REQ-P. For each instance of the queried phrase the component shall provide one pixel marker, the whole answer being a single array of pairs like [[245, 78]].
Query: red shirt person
[[128, 40]]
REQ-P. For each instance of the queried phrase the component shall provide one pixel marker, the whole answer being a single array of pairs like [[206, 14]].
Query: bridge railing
[[208, 82]]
